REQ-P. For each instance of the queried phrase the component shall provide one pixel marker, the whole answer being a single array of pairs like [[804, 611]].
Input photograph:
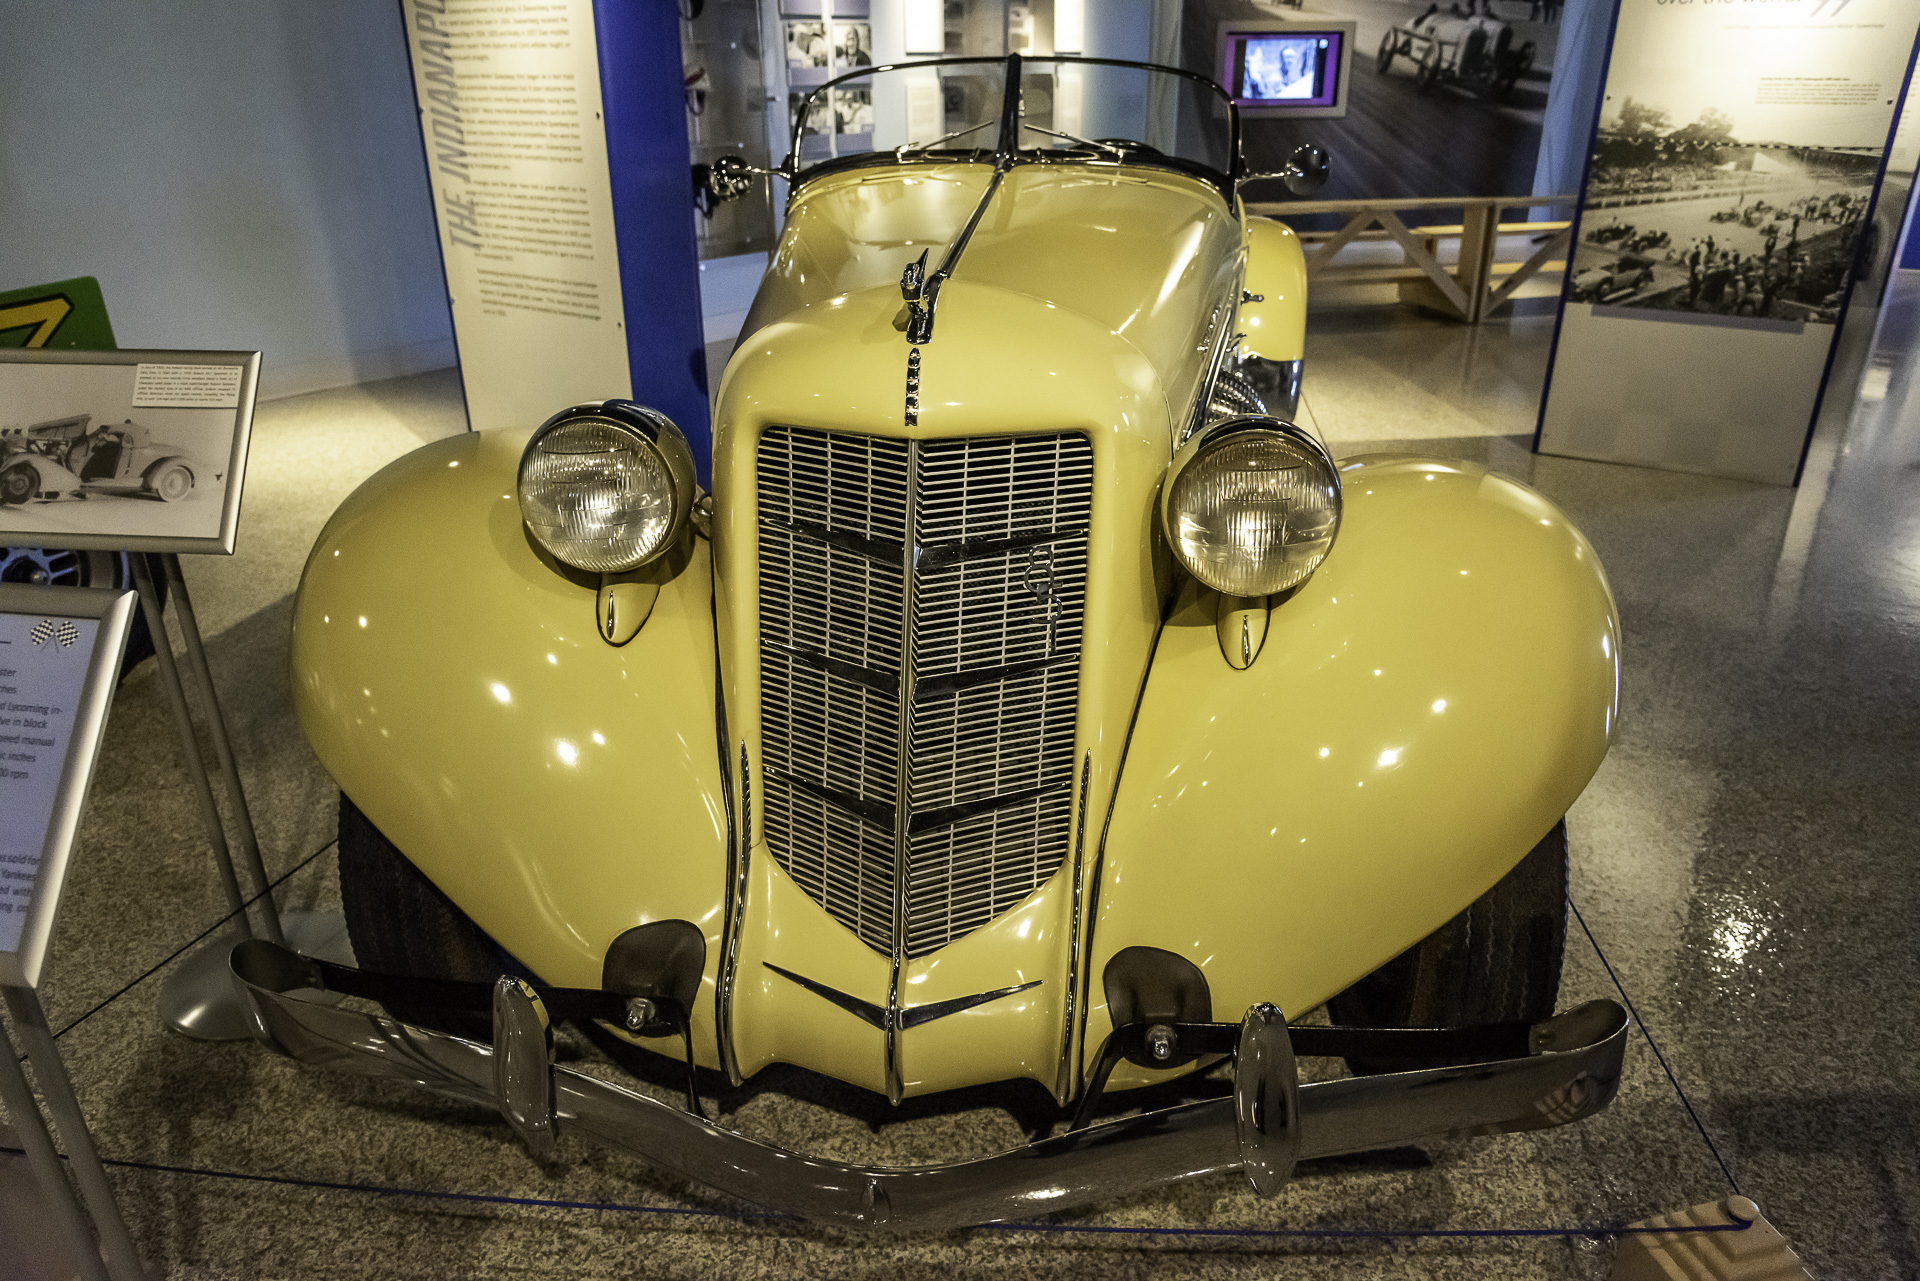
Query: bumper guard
[[1270, 1122]]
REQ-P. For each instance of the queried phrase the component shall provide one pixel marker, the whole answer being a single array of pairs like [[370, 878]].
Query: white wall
[[238, 173]]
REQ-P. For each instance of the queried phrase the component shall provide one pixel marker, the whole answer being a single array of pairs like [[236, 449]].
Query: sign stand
[[198, 998], [122, 1259], [60, 650]]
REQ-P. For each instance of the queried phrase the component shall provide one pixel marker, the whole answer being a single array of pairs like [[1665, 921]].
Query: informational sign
[[124, 450], [60, 650], [1731, 181], [510, 110], [555, 138], [64, 314]]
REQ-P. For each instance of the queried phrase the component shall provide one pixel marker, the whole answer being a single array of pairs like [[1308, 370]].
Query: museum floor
[[1745, 858]]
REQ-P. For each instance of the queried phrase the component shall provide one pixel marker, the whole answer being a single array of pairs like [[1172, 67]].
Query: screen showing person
[[1282, 68]]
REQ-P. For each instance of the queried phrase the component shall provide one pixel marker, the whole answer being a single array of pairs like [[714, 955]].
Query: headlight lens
[[1251, 506], [606, 488]]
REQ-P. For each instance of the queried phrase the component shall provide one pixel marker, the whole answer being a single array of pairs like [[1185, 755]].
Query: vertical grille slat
[[999, 537]]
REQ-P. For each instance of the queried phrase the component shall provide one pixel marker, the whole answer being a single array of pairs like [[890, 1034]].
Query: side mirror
[[728, 178], [1306, 170]]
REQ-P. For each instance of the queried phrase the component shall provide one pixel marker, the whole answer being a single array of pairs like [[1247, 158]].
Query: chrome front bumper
[[1270, 1122]]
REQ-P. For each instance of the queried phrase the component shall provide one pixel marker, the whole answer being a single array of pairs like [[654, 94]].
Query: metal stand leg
[[198, 999], [222, 745], [122, 1261]]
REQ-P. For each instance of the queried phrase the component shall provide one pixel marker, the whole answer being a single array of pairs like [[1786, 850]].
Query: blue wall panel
[[651, 166]]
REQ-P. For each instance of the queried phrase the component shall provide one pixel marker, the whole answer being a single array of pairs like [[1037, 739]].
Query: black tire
[[18, 483], [1496, 962], [400, 923], [1383, 61]]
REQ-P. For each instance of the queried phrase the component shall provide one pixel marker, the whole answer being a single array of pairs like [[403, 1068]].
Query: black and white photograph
[[807, 47], [853, 111], [852, 46], [1696, 215], [128, 452]]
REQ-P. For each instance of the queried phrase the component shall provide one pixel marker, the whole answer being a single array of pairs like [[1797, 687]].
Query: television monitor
[[1287, 69]]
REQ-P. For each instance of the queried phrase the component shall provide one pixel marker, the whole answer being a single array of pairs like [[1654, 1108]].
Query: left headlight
[[1251, 506], [606, 487]]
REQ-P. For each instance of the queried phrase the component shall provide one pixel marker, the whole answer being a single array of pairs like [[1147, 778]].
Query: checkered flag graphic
[[42, 632], [68, 633]]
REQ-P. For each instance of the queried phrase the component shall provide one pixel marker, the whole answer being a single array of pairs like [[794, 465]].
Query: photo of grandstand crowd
[[1688, 217]]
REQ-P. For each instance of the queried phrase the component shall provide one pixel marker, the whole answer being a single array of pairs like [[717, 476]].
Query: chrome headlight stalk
[[609, 488], [606, 487], [1250, 507]]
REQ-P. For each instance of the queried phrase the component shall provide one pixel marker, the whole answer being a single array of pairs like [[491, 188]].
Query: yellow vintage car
[[1030, 699]]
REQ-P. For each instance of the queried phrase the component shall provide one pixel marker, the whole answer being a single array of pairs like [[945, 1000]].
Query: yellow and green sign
[[67, 313]]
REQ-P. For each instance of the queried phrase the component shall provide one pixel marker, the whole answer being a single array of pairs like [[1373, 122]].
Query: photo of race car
[[73, 458]]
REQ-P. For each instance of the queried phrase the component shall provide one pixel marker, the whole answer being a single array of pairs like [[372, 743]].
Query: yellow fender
[[1275, 326], [558, 789], [1426, 707]]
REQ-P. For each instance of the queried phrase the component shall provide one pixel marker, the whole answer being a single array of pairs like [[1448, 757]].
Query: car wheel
[[1383, 61], [1496, 962], [171, 483], [1429, 72], [400, 923], [17, 484]]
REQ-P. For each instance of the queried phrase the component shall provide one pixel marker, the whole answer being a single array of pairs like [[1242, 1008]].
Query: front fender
[[1425, 708], [559, 790], [53, 478]]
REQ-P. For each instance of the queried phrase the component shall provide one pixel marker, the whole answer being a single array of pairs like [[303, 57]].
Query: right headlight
[[1251, 505], [607, 487]]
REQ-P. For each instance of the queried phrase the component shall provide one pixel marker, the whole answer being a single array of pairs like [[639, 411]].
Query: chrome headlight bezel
[[634, 426], [1205, 444]]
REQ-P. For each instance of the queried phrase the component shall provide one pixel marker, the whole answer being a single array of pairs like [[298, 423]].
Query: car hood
[[1144, 254]]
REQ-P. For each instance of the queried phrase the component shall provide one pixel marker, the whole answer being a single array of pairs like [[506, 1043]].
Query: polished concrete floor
[[1745, 857]]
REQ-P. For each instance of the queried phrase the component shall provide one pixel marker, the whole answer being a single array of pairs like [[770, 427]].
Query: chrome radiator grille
[[936, 586]]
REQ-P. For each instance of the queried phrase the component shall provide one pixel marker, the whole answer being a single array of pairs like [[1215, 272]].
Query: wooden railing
[[1468, 291]]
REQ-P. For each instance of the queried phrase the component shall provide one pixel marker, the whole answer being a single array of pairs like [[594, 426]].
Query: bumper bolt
[[640, 1012], [1161, 1042]]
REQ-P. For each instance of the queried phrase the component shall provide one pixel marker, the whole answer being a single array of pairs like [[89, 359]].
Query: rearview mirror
[[728, 178], [1306, 170]]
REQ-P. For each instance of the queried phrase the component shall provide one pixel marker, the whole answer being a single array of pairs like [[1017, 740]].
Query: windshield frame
[[1006, 152]]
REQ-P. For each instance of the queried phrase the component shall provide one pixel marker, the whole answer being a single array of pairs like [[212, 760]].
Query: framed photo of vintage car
[[133, 450], [60, 653]]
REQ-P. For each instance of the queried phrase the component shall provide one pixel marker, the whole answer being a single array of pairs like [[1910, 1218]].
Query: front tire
[[17, 484], [1496, 962], [171, 483], [400, 923], [1383, 61]]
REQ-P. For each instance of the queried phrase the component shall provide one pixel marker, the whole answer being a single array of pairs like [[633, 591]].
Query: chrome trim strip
[[903, 787], [738, 847], [911, 1016], [952, 552], [873, 549], [953, 682], [1573, 1073], [874, 678], [1064, 1083], [881, 816], [947, 816]]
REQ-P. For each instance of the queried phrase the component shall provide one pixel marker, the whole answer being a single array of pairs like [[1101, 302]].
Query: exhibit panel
[[557, 155], [1731, 183]]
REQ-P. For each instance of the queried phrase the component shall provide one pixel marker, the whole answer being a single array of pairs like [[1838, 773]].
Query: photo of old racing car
[[68, 458], [1476, 52], [1623, 277], [1031, 700]]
